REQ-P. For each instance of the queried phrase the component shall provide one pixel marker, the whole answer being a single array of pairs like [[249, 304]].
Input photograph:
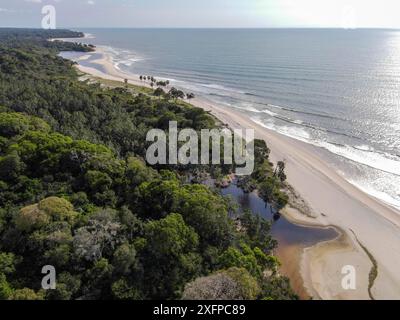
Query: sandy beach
[[368, 226]]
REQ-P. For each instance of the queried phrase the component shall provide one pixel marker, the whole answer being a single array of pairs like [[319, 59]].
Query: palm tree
[[176, 94], [190, 96], [159, 92], [280, 171]]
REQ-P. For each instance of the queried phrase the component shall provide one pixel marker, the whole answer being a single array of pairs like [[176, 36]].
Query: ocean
[[338, 90]]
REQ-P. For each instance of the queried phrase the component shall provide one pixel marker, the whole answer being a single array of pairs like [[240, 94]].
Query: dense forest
[[77, 194]]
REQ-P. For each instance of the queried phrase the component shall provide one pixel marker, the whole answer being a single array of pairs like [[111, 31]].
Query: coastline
[[332, 202]]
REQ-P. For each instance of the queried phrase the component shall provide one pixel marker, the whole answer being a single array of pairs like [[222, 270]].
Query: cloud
[[91, 2]]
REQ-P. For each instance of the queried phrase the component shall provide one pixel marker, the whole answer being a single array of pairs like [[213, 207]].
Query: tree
[[280, 171], [124, 258], [267, 189], [31, 217], [99, 236], [11, 167], [280, 200], [170, 237], [67, 286], [257, 230], [57, 209], [206, 212], [161, 83], [8, 262], [171, 258], [98, 278], [176, 94], [231, 284], [278, 288], [254, 260], [12, 124], [233, 257], [214, 287], [60, 253], [261, 151], [190, 96], [157, 198], [26, 294], [5, 288], [123, 290], [98, 181], [131, 223], [202, 209], [248, 285], [159, 92]]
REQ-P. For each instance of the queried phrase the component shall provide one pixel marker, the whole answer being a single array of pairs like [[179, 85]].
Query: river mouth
[[292, 238]]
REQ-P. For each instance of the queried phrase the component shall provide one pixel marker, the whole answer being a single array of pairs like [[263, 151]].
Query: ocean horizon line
[[204, 28]]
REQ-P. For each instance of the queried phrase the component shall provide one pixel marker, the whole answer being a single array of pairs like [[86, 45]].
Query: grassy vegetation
[[373, 274]]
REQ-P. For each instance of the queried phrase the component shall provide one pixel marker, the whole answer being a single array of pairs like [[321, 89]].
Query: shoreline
[[361, 213]]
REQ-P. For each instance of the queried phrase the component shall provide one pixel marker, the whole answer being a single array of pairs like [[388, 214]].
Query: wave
[[246, 105], [89, 36], [292, 132], [253, 95], [292, 110], [383, 196], [321, 115], [314, 127], [365, 148], [217, 95], [129, 62], [295, 122], [251, 108], [377, 160], [384, 162], [215, 86], [272, 114], [122, 57]]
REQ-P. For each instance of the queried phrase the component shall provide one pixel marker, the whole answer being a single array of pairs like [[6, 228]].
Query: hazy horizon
[[203, 28], [253, 14]]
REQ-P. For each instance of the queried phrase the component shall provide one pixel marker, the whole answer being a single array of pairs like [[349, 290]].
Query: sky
[[205, 13]]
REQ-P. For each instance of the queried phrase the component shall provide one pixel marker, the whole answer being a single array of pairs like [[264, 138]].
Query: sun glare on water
[[348, 14]]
